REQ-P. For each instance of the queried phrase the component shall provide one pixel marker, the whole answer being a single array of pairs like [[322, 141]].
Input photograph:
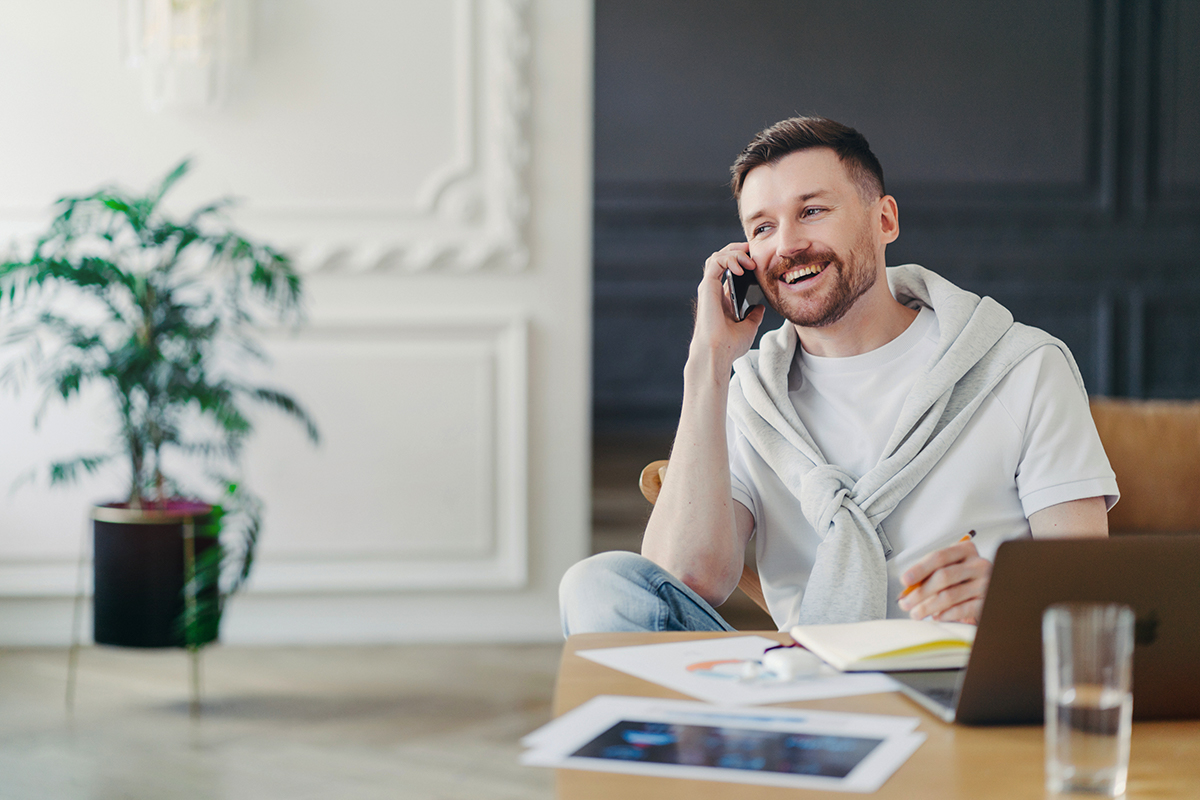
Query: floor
[[400, 722], [409, 723]]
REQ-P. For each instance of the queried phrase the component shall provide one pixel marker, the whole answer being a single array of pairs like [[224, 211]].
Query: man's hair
[[804, 133]]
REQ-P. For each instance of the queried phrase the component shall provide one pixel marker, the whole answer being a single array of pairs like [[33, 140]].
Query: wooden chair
[[1154, 449]]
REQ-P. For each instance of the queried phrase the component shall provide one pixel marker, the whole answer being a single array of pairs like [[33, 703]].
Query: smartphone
[[743, 292]]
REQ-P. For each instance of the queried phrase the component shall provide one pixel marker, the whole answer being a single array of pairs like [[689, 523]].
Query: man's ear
[[889, 219]]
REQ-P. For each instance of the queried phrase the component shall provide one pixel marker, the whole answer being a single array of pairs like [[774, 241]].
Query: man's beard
[[852, 279]]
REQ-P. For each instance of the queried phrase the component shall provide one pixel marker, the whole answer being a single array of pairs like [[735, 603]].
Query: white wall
[[429, 165]]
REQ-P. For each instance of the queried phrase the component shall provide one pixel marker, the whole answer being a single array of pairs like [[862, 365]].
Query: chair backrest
[[1154, 449], [651, 480]]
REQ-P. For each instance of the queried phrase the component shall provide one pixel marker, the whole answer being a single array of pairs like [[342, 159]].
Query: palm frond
[[134, 211], [72, 470], [26, 477], [289, 406], [171, 179], [242, 514], [209, 210], [203, 599]]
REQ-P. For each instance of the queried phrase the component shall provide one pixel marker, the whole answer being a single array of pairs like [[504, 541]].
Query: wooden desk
[[956, 761]]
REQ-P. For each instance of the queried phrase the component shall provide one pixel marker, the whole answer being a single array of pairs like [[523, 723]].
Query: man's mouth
[[802, 273]]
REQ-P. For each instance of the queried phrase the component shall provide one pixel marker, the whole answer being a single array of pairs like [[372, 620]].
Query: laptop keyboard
[[944, 696]]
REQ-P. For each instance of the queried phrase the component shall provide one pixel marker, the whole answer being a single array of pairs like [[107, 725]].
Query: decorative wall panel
[[406, 144], [1042, 153], [1000, 107], [646, 327], [422, 477], [1178, 173], [1076, 313], [1170, 342], [421, 480], [471, 209]]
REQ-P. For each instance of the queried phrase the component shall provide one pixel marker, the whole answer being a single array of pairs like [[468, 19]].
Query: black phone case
[[744, 292]]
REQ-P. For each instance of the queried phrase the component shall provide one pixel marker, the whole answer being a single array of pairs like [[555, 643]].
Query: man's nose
[[793, 239]]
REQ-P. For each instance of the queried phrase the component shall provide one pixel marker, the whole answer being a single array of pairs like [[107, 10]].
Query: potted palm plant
[[159, 313]]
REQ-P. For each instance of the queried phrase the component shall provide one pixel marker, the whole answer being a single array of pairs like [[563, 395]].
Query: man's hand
[[717, 332], [950, 584]]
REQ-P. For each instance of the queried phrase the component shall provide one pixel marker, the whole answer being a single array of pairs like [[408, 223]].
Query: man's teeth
[[799, 273]]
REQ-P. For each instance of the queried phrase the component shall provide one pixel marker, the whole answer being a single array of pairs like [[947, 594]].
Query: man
[[879, 446]]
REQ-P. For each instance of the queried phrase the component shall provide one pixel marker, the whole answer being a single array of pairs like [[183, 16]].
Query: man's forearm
[[692, 532], [695, 533]]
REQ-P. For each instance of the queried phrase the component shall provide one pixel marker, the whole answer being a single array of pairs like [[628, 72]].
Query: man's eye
[[813, 211], [761, 229]]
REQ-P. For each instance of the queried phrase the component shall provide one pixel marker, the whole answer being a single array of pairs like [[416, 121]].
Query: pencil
[[910, 589]]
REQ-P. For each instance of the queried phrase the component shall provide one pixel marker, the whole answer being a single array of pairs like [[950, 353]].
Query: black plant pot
[[140, 562]]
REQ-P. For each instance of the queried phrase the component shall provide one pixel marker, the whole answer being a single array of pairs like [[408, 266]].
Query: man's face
[[812, 234]]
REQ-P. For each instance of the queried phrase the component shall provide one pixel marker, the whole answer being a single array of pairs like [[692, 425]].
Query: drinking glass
[[1087, 651]]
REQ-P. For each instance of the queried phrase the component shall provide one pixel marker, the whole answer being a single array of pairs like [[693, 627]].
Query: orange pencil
[[909, 589]]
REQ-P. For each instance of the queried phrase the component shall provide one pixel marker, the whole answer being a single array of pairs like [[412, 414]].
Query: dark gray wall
[[1043, 153]]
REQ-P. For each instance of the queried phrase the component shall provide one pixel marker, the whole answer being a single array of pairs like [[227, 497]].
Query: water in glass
[[1087, 737]]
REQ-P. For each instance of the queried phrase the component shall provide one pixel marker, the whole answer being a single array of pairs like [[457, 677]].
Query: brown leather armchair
[[1154, 448]]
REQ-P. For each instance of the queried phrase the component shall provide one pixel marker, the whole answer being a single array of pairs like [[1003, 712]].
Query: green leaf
[[292, 408], [72, 470], [171, 179]]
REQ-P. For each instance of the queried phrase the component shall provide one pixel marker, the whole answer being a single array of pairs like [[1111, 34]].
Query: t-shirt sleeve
[[1062, 458]]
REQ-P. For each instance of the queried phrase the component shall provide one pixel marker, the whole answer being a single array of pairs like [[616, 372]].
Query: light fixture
[[185, 49]]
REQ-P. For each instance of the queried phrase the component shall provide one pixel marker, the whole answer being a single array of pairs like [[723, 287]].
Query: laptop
[[1157, 576]]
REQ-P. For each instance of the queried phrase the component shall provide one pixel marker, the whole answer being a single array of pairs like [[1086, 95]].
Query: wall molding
[[499, 562], [1175, 27], [472, 214]]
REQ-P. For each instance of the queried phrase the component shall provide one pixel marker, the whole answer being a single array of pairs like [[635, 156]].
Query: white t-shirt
[[1032, 444]]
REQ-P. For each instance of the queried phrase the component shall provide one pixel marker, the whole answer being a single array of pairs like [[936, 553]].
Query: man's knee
[[609, 592]]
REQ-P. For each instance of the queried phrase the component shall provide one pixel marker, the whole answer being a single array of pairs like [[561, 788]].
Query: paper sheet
[[684, 739], [709, 669]]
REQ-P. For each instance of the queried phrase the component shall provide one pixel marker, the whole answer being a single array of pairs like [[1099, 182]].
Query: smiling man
[[879, 446]]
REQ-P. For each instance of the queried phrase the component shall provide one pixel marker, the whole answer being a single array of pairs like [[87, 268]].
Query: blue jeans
[[622, 591]]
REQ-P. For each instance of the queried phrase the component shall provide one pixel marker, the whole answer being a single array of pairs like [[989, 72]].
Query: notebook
[[888, 644], [1158, 576]]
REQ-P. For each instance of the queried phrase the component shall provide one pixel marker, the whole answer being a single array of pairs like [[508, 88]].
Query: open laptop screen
[[1158, 576]]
